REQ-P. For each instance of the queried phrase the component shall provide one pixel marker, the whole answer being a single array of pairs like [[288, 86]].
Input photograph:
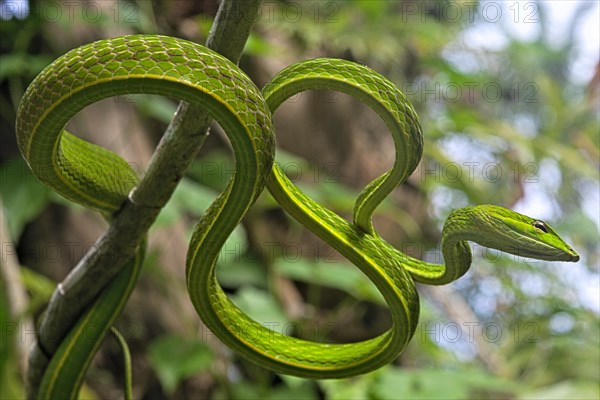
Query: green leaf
[[300, 392], [154, 106], [260, 306], [257, 46], [11, 386], [39, 287], [193, 199], [188, 198], [236, 271], [214, 170], [344, 389], [429, 384], [568, 390], [21, 64], [23, 197], [335, 274], [175, 358], [250, 391], [5, 320]]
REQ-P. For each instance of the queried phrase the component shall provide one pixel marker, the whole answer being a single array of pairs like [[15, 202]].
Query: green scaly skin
[[94, 177], [101, 180]]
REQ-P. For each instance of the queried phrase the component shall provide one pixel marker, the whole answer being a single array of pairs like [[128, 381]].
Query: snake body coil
[[100, 180]]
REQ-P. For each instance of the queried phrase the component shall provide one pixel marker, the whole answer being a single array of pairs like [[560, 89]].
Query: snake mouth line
[[557, 255]]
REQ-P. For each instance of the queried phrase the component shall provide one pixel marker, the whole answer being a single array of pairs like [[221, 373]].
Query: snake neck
[[469, 224], [458, 230]]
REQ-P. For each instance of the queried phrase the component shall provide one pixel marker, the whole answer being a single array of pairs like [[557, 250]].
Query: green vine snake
[[94, 177]]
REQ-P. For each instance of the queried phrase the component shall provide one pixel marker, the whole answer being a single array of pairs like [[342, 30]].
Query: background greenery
[[507, 121]]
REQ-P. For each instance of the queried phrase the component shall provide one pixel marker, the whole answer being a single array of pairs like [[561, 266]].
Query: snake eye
[[540, 225]]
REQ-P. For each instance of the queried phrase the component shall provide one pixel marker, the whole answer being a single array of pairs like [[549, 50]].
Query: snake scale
[[94, 177]]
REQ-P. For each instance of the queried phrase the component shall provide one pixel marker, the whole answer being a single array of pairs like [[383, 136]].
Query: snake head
[[518, 234], [509, 231]]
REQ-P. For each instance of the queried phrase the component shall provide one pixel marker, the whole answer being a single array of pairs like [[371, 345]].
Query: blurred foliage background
[[509, 102]]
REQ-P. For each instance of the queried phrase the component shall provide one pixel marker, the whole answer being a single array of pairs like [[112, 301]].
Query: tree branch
[[178, 147]]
